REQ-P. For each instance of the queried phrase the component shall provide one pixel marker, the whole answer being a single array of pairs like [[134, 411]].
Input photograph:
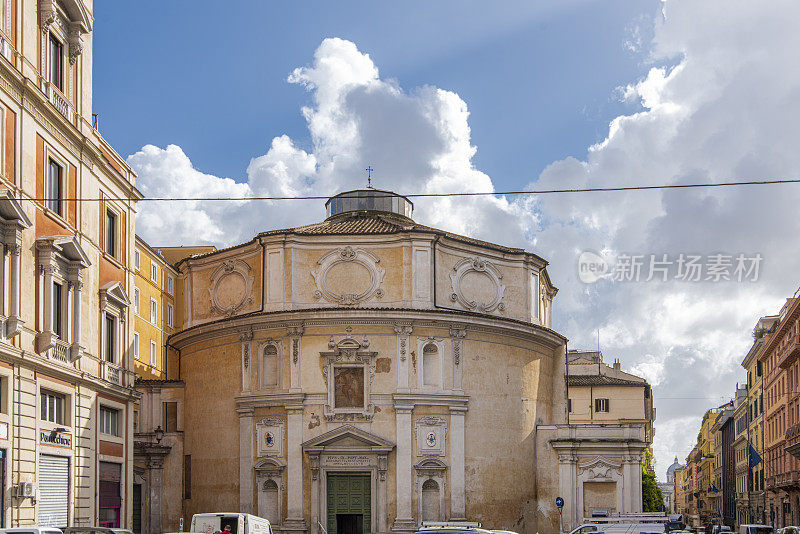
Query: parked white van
[[236, 523]]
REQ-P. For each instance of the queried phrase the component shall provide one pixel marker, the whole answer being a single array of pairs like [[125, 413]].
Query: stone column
[[381, 493], [295, 333], [154, 460], [246, 337], [404, 521], [567, 489], [246, 460], [76, 349], [295, 522], [315, 490], [14, 325], [458, 511], [456, 337], [632, 484], [47, 320], [402, 331]]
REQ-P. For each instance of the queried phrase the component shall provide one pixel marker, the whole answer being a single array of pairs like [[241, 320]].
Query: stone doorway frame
[[348, 450]]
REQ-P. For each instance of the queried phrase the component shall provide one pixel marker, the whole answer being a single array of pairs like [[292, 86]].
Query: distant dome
[[674, 467], [369, 200]]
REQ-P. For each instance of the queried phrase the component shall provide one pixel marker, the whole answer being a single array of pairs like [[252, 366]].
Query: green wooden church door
[[349, 502]]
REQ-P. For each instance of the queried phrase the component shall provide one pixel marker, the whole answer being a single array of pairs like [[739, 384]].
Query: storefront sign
[[55, 439]]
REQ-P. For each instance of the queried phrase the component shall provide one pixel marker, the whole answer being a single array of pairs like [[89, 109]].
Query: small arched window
[[430, 500], [430, 365], [269, 366]]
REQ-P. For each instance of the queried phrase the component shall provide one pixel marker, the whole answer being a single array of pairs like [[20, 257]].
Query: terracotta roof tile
[[601, 380]]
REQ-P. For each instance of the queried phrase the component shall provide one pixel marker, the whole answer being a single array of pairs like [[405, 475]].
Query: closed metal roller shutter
[[53, 491]]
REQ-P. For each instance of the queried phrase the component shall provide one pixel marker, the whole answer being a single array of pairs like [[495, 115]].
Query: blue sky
[[566, 94], [539, 77]]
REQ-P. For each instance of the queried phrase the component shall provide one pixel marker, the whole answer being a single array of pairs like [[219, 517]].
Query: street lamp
[[159, 434]]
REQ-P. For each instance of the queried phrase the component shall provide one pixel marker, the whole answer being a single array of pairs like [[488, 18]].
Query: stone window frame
[[60, 259], [117, 254], [261, 347], [51, 154], [13, 221], [270, 469], [348, 352], [114, 302], [422, 342], [434, 469]]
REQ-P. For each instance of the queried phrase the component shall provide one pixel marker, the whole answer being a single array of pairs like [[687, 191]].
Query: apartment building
[[756, 503], [741, 453], [610, 406], [66, 374], [157, 302], [779, 355]]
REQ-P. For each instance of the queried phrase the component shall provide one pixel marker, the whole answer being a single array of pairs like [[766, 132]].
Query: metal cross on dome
[[369, 170]]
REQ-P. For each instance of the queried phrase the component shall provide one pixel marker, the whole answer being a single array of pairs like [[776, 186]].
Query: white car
[[31, 530]]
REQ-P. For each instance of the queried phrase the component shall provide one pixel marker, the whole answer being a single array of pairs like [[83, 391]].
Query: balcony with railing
[[58, 99], [60, 352], [789, 353], [112, 373], [788, 479]]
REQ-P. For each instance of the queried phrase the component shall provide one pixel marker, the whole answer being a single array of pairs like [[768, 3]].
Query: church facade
[[365, 374]]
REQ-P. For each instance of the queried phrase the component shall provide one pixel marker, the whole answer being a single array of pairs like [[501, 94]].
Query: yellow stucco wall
[[158, 291]]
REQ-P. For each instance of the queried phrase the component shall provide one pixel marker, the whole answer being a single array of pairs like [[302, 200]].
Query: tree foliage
[[652, 499]]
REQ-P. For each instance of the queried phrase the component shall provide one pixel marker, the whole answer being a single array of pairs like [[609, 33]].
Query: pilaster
[[403, 332], [295, 333], [246, 460], [458, 509], [456, 338], [295, 521], [404, 521], [246, 337]]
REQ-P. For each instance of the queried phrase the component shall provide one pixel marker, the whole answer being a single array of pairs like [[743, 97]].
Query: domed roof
[[674, 467], [369, 199]]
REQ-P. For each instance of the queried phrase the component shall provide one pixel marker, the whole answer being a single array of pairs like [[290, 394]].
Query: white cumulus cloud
[[720, 103]]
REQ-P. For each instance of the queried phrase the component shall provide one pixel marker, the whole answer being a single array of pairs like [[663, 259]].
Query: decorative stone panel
[[482, 293], [358, 274], [270, 436], [231, 287], [430, 433]]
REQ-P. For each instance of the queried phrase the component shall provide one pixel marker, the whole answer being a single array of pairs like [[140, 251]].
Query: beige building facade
[[66, 374], [365, 369], [601, 450]]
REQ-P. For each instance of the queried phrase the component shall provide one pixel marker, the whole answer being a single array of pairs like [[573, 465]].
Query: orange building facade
[[780, 356]]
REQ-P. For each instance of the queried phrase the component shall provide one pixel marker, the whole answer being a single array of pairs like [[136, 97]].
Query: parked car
[[96, 530], [31, 530], [676, 522], [585, 529], [238, 523], [756, 529]]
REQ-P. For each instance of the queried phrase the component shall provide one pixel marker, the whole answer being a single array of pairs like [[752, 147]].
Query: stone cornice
[[454, 401], [14, 356], [270, 399], [446, 319]]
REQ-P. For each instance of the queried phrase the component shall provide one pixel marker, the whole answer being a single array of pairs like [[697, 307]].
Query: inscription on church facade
[[343, 460]]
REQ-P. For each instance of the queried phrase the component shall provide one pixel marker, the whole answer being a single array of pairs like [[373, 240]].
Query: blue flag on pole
[[755, 458]]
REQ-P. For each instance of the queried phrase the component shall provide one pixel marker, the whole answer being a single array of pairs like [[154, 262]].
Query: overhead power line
[[441, 195]]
